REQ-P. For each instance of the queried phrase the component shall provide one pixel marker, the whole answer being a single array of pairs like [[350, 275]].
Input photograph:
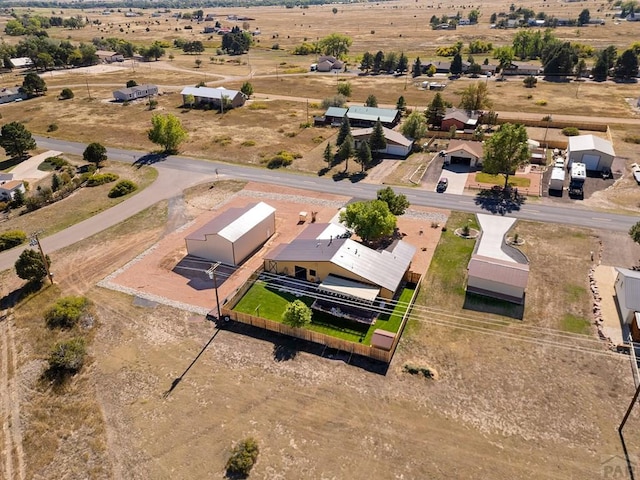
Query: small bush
[[123, 187], [275, 46], [243, 457], [632, 139], [258, 106], [68, 356], [11, 239], [541, 103], [66, 312], [222, 140], [282, 159], [66, 94], [52, 127], [248, 143], [426, 372], [335, 101], [318, 139], [57, 162], [101, 179], [290, 134], [570, 131]]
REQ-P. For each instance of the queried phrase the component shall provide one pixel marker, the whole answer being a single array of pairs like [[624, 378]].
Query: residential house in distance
[[106, 56], [465, 120], [496, 269], [214, 96], [368, 116], [595, 152], [522, 68], [11, 94], [9, 188], [627, 288], [444, 66], [397, 144], [327, 63], [21, 62], [133, 93], [234, 234], [464, 152]]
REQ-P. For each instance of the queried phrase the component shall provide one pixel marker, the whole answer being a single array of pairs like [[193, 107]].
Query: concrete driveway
[[457, 175], [28, 170]]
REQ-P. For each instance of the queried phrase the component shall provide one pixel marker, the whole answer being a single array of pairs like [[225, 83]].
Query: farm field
[[516, 392]]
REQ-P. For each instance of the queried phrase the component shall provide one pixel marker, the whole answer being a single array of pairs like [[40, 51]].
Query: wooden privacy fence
[[557, 124], [309, 335]]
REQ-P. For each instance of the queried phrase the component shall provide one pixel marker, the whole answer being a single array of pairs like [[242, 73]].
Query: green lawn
[[445, 279], [391, 323], [482, 177], [574, 324], [269, 303]]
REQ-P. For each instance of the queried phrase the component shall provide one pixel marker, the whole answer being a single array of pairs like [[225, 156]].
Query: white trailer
[[556, 182]]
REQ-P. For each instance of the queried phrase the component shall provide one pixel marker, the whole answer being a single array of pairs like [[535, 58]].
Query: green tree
[[475, 97], [506, 150], [30, 266], [156, 50], [335, 44], [401, 104], [559, 59], [456, 64], [634, 232], [33, 84], [95, 153], [397, 203], [327, 155], [367, 62], [416, 71], [530, 81], [11, 239], [626, 66], [403, 63], [345, 130], [167, 131], [244, 454], [189, 100], [371, 101], [377, 140], [67, 356], [414, 126], [131, 83], [247, 89], [436, 111], [344, 88], [473, 16], [378, 60], [18, 199], [198, 63], [297, 314], [16, 139], [363, 155], [584, 17], [56, 183], [66, 94], [346, 151], [370, 220]]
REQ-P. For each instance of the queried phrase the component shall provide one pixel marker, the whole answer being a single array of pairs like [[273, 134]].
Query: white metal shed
[[595, 152], [233, 235]]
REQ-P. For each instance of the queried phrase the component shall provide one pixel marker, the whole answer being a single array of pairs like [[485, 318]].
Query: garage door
[[591, 161], [461, 160], [397, 150]]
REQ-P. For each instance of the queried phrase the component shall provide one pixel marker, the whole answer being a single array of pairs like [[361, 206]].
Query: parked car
[[442, 185], [635, 170]]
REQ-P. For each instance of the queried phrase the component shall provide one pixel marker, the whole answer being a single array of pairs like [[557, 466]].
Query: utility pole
[[212, 275], [36, 241], [88, 91]]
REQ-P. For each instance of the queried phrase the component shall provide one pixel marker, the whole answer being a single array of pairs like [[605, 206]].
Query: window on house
[[312, 273]]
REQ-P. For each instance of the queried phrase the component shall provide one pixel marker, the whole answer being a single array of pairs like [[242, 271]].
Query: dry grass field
[[500, 408]]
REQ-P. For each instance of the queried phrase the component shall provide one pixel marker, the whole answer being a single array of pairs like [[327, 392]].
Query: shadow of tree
[[500, 200], [284, 351], [356, 177], [150, 159], [13, 298]]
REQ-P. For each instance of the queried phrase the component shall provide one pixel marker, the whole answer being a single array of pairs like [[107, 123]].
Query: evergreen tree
[[345, 130], [626, 65], [56, 183], [363, 155], [328, 154], [371, 101], [367, 62], [456, 64], [346, 151], [417, 68], [403, 63], [378, 60], [401, 104], [377, 139], [435, 111]]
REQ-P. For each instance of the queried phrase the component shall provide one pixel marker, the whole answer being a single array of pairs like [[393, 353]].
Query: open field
[[499, 405], [521, 392]]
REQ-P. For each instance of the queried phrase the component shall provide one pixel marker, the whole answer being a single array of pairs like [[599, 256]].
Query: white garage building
[[233, 235], [595, 152]]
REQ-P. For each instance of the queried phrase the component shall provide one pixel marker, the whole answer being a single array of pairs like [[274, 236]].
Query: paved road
[[177, 173]]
